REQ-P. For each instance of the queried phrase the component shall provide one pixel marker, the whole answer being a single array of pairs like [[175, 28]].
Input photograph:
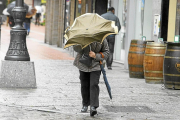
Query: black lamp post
[[0, 27], [17, 48]]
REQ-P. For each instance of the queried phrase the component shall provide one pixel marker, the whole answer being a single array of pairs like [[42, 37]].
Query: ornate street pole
[[7, 17], [0, 29], [17, 48]]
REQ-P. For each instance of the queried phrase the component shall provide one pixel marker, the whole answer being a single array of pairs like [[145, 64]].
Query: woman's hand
[[92, 54]]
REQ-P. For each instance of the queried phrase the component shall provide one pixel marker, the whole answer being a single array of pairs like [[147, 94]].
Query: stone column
[[61, 23], [89, 6], [72, 12], [83, 6], [54, 22], [50, 26], [46, 40]]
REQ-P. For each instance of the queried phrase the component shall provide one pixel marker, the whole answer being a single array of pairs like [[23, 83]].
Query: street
[[58, 97]]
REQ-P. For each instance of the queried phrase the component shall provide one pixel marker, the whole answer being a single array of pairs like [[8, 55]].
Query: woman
[[27, 24], [89, 76]]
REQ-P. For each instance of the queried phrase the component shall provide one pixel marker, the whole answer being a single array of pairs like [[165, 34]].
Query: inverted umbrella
[[5, 12], [88, 28], [12, 5]]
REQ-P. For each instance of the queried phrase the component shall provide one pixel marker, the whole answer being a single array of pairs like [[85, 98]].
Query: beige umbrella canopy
[[88, 28]]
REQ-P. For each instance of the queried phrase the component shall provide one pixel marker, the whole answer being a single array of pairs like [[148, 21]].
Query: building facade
[[150, 19]]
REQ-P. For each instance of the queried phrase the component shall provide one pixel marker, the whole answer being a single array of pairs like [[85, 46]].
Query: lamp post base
[[17, 58], [17, 74]]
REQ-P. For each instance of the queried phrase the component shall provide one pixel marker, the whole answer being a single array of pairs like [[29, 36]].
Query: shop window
[[67, 13], [164, 19], [78, 8]]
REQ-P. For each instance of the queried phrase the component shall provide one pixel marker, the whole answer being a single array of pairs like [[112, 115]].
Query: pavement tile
[[57, 96]]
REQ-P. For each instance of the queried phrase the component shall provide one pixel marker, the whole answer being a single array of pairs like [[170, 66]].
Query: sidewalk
[[58, 97], [35, 45]]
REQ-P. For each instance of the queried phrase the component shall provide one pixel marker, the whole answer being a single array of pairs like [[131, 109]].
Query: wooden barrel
[[153, 62], [171, 71], [135, 58]]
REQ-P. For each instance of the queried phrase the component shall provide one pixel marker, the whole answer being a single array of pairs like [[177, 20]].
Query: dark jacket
[[110, 16], [28, 20], [96, 47]]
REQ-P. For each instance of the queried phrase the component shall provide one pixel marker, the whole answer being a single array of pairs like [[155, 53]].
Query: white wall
[[130, 28], [147, 26], [118, 4], [138, 20], [148, 19], [156, 9]]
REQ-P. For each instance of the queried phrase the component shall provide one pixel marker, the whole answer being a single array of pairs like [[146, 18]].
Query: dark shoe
[[84, 109], [93, 111], [109, 68]]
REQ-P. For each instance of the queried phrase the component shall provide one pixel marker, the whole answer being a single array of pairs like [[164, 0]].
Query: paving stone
[[58, 96]]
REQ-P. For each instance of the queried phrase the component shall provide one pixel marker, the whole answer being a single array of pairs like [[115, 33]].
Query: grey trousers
[[111, 42], [90, 88]]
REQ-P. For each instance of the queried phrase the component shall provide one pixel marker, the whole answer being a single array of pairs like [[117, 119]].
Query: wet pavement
[[57, 96]]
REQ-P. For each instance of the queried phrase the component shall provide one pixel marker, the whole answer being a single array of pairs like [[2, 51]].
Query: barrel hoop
[[136, 52], [153, 71], [138, 41], [130, 65], [136, 72], [155, 44], [172, 50], [172, 82], [157, 47], [140, 46], [161, 55], [154, 78], [178, 75], [171, 57]]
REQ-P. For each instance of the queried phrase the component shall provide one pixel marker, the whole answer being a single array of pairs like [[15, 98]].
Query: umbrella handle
[[100, 62]]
